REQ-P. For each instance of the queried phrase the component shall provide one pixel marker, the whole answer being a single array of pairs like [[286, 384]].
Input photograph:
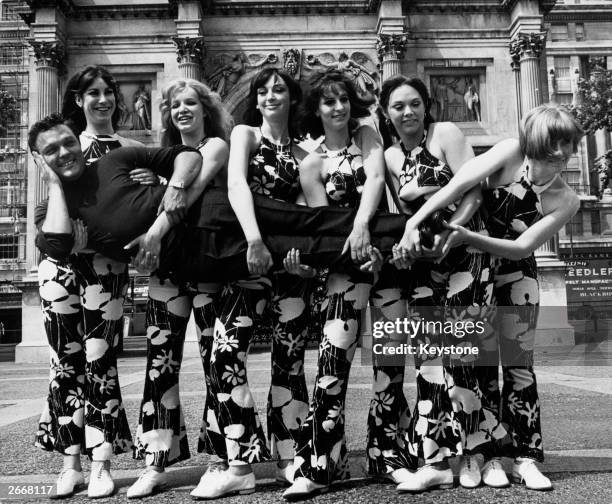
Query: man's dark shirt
[[114, 208]]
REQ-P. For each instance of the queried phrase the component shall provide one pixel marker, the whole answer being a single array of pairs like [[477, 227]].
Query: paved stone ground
[[575, 394]]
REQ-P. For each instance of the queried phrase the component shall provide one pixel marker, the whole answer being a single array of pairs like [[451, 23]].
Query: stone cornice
[[545, 5], [578, 13], [272, 7], [424, 6], [67, 7]]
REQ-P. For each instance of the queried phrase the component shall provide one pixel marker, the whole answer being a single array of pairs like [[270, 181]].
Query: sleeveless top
[[422, 174], [514, 207], [273, 171], [344, 175], [96, 146]]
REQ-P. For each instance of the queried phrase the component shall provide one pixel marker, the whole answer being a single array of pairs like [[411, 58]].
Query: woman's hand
[[375, 263], [359, 243], [79, 232], [458, 236], [399, 260], [410, 244], [293, 265], [259, 259], [144, 176], [147, 258]]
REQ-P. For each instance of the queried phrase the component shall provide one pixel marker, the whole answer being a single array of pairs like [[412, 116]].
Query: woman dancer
[[447, 412], [192, 115], [84, 396], [346, 170], [263, 160], [526, 203]]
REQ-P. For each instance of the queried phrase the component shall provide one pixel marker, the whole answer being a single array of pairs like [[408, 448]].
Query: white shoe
[[215, 484], [469, 472], [526, 471], [427, 477], [493, 474], [100, 482], [398, 476], [147, 483], [68, 481], [284, 475], [302, 488]]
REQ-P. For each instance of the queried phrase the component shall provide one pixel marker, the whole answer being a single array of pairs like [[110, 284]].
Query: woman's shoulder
[[244, 134], [445, 132], [394, 156]]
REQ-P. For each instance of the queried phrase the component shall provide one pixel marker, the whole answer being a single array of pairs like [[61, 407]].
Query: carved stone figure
[[142, 109], [354, 66], [231, 68], [291, 62]]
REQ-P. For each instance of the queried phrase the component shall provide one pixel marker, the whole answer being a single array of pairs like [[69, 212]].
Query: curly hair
[[252, 115], [217, 121], [45, 124], [322, 84], [397, 81], [77, 85]]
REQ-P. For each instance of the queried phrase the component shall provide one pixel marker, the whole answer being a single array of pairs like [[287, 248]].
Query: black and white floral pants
[[82, 303]]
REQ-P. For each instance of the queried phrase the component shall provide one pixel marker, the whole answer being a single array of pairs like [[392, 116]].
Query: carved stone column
[[390, 48], [190, 55], [516, 70], [529, 47]]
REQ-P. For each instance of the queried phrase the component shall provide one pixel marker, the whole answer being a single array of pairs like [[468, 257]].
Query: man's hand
[[147, 258], [399, 260], [175, 204], [144, 176], [79, 232], [47, 174]]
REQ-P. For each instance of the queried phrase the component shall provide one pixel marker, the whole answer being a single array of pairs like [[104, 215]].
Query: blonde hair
[[544, 127], [217, 121]]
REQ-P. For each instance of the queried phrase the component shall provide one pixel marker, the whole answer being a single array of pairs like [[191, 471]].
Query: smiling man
[[84, 412]]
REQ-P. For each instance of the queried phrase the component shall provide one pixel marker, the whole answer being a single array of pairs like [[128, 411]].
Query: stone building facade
[[485, 61]]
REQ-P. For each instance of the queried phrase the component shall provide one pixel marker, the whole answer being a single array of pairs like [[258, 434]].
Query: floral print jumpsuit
[[321, 454], [273, 172], [161, 437], [82, 304], [448, 412], [514, 428]]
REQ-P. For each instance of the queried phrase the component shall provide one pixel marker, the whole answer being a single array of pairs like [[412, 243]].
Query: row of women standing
[[458, 409]]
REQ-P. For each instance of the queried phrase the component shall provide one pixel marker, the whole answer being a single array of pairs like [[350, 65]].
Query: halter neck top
[[514, 207], [344, 175], [421, 175], [96, 146], [273, 171]]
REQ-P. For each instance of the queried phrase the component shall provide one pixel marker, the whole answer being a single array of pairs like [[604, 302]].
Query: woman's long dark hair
[[397, 81], [322, 84], [77, 85], [252, 116]]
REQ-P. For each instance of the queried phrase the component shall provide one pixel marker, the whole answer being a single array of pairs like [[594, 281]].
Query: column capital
[[48, 53], [391, 44], [189, 49], [526, 45]]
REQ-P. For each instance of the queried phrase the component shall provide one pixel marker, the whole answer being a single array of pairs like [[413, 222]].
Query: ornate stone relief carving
[[48, 53], [189, 50], [527, 45], [292, 59], [392, 45], [227, 69], [358, 66]]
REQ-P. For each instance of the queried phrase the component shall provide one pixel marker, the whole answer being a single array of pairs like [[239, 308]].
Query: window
[[558, 32], [9, 246], [574, 227], [580, 31], [595, 222], [562, 67]]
